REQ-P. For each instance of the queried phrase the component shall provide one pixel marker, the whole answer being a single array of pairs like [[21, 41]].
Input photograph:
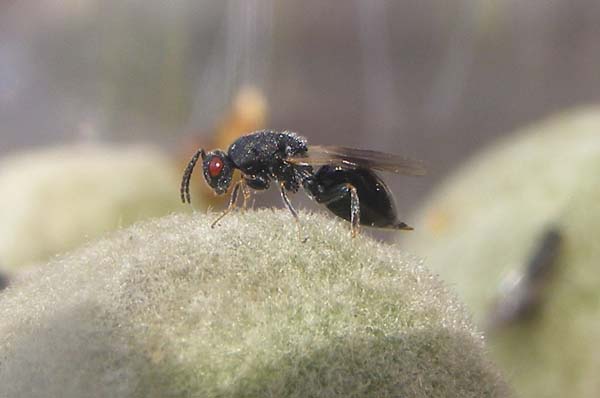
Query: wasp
[[342, 179]]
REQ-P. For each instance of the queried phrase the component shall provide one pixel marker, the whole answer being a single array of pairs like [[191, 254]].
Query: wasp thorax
[[218, 170]]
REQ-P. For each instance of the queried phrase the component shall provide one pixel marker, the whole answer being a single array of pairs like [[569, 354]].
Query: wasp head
[[218, 170]]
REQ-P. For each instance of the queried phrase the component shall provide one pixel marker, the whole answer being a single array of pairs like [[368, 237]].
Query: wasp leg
[[257, 183], [354, 211], [232, 202], [246, 193], [288, 204], [354, 207], [337, 193]]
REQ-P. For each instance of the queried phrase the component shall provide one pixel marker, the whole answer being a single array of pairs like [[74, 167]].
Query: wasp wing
[[318, 155]]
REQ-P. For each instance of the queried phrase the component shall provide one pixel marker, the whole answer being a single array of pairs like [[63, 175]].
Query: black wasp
[[340, 178]]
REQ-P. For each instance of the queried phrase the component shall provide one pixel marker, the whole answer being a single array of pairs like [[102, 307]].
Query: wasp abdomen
[[377, 208]]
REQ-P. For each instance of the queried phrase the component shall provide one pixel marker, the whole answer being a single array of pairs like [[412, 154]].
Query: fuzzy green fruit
[[171, 307], [485, 223], [53, 200]]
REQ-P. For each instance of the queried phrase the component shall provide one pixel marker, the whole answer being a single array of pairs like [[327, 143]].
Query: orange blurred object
[[248, 113]]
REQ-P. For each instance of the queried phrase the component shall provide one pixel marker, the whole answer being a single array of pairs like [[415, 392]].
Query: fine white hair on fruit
[[172, 307]]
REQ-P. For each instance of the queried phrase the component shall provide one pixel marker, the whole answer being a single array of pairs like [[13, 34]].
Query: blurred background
[[102, 102], [429, 79]]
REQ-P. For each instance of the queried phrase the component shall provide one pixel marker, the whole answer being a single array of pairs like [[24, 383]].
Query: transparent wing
[[318, 155]]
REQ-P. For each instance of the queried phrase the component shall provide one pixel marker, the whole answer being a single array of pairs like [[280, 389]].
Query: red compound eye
[[215, 166]]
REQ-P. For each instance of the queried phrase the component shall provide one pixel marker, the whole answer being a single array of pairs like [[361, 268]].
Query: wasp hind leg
[[354, 210], [338, 193]]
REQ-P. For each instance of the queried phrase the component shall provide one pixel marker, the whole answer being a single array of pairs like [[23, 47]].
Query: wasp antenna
[[187, 175]]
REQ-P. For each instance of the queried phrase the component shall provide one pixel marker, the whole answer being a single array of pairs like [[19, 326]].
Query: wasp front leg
[[232, 200]]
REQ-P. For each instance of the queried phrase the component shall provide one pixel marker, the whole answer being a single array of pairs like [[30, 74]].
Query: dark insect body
[[342, 179], [377, 208], [522, 295], [3, 281]]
